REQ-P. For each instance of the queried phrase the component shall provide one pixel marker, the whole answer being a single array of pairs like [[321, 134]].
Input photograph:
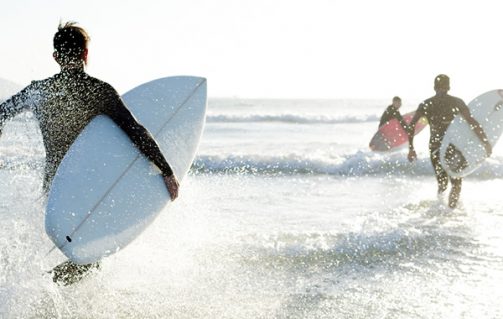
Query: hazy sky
[[269, 48]]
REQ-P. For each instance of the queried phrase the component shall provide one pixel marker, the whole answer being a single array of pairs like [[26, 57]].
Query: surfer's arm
[[143, 140], [411, 128], [402, 122], [476, 128], [384, 118], [14, 106]]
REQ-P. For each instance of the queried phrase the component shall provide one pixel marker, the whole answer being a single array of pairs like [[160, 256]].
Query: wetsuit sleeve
[[142, 139], [384, 118], [402, 122], [474, 124], [420, 112], [15, 105]]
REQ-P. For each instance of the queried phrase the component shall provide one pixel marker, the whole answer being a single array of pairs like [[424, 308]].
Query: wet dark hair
[[442, 81], [70, 42], [397, 98]]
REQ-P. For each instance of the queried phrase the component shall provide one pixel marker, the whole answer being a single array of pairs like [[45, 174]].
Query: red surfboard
[[392, 135]]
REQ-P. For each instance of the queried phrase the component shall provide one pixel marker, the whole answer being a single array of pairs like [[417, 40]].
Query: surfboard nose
[[455, 159]]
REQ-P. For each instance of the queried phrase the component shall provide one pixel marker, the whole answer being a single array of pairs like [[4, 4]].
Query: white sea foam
[[363, 164], [274, 221], [291, 118]]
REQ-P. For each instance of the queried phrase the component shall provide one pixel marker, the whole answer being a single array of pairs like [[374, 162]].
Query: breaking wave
[[290, 118], [360, 164]]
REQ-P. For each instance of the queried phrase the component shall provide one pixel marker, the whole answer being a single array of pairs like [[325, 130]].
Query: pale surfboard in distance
[[462, 152]]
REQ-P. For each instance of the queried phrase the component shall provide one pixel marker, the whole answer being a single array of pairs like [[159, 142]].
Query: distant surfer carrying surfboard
[[440, 111], [392, 112], [65, 103]]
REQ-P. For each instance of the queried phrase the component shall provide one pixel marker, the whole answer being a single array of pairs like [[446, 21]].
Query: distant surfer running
[[64, 104], [440, 111], [392, 112]]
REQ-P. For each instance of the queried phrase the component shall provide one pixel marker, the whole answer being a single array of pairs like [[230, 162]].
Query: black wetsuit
[[392, 113], [440, 111], [64, 104]]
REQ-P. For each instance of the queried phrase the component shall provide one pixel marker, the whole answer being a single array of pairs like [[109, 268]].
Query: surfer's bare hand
[[412, 156], [172, 185]]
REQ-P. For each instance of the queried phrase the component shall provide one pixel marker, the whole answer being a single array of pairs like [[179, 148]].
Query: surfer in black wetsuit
[[64, 104], [392, 112], [440, 111]]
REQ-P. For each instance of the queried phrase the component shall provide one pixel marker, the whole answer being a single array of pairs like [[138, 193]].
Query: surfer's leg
[[440, 174], [455, 191], [69, 273]]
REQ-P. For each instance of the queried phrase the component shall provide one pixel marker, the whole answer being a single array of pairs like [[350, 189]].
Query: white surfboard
[[462, 151], [105, 192]]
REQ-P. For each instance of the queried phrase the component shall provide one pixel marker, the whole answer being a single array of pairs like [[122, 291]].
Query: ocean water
[[285, 214]]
